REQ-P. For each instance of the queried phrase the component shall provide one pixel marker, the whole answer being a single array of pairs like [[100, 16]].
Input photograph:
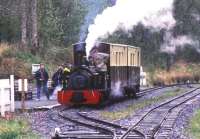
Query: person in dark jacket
[[57, 77], [42, 77]]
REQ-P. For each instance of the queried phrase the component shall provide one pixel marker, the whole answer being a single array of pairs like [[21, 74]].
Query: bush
[[27, 57]]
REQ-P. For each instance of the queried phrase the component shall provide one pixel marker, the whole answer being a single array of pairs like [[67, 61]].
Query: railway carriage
[[113, 71]]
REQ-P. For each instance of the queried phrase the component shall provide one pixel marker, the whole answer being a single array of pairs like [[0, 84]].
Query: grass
[[16, 129], [194, 126], [18, 61], [131, 109]]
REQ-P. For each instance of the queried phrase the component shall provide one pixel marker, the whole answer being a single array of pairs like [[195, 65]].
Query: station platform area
[[43, 103]]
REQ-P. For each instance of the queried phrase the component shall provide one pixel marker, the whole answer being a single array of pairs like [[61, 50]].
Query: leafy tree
[[9, 28], [188, 54]]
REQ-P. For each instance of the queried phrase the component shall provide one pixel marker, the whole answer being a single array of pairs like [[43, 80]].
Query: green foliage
[[187, 15], [16, 129], [60, 21], [49, 25], [194, 126], [27, 57], [188, 54], [9, 28]]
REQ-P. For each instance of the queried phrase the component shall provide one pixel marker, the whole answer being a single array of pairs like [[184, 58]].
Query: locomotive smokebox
[[79, 54]]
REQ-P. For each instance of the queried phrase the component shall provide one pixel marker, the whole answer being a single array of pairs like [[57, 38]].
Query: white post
[[25, 85], [2, 102], [12, 93]]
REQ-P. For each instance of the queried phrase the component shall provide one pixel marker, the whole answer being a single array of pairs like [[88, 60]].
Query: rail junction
[[156, 122]]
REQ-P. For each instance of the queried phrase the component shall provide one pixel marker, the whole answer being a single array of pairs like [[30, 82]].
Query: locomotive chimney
[[79, 54]]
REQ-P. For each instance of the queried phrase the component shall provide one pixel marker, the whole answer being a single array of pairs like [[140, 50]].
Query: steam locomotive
[[112, 71]]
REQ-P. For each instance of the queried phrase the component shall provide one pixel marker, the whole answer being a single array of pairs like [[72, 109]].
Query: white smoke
[[55, 91], [163, 19], [170, 43], [116, 90], [154, 13], [196, 16]]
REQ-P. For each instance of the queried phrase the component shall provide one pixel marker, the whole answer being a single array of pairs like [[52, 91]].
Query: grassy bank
[[116, 115], [194, 126], [16, 129], [18, 61]]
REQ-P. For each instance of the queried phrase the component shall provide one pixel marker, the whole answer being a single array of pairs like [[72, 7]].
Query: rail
[[159, 106]]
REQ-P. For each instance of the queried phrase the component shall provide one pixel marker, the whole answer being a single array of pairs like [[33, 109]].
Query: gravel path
[[41, 123], [44, 123]]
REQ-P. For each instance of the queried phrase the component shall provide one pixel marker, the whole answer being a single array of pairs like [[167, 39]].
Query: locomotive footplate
[[78, 97]]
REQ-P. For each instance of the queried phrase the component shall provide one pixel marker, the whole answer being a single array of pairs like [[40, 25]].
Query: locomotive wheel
[[105, 96], [130, 92], [104, 100]]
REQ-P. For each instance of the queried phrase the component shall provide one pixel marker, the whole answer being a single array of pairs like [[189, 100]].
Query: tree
[[24, 22], [34, 36]]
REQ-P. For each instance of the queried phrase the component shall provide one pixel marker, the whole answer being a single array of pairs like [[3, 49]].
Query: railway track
[[148, 126], [145, 91], [102, 129], [107, 129], [152, 121], [148, 90]]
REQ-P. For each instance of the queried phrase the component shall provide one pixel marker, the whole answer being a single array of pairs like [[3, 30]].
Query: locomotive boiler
[[110, 71]]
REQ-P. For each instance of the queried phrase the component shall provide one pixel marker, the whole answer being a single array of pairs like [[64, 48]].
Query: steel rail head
[[102, 121], [145, 91], [151, 110], [170, 110], [89, 125]]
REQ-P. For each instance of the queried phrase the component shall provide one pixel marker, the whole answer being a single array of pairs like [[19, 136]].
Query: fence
[[7, 102]]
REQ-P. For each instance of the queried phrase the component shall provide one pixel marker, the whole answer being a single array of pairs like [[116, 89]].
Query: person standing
[[42, 77], [65, 76], [57, 77]]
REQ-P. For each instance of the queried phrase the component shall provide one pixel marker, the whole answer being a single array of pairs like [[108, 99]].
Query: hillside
[[44, 31]]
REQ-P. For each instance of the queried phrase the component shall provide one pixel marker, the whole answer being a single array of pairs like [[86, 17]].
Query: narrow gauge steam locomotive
[[113, 70]]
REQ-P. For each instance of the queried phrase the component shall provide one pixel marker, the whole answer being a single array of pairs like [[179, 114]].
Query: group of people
[[59, 78]]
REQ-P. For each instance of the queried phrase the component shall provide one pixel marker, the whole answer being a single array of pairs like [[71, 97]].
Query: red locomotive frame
[[92, 97]]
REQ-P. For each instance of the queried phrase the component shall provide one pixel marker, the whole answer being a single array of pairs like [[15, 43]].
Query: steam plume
[[94, 7], [55, 91], [129, 13], [170, 43], [116, 90]]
